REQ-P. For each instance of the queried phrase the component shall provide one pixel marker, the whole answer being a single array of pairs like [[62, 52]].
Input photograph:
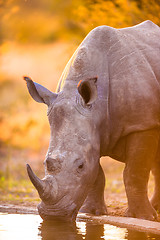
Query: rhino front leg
[[94, 203], [155, 200], [141, 148]]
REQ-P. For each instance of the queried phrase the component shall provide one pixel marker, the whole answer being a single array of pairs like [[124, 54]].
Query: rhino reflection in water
[[107, 104]]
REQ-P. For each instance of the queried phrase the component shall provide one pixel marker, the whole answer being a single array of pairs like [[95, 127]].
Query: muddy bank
[[10, 208]]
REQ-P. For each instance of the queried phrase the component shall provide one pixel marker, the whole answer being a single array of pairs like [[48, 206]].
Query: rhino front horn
[[38, 183]]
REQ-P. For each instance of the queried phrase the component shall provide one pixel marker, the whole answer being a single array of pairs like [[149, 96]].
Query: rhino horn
[[38, 183]]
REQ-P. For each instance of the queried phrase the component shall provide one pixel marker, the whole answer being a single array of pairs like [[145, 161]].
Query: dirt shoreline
[[12, 209]]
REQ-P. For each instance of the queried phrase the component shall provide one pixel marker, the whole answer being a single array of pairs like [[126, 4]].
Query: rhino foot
[[142, 213], [93, 208]]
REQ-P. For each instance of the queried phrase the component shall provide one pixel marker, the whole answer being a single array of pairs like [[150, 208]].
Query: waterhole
[[32, 227]]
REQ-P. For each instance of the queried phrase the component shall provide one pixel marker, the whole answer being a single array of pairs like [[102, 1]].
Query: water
[[32, 227]]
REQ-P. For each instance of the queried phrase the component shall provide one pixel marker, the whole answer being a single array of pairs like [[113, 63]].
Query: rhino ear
[[40, 93], [88, 90]]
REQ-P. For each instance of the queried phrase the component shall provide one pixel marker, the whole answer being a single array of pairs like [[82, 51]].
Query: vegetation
[[47, 21], [32, 34]]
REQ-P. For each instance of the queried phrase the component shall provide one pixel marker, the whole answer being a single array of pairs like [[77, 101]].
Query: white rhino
[[107, 104]]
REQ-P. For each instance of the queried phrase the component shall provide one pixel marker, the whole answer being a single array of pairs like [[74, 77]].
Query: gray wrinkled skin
[[107, 104]]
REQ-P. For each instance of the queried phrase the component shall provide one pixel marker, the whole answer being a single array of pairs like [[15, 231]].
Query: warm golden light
[[113, 233], [81, 226], [19, 227]]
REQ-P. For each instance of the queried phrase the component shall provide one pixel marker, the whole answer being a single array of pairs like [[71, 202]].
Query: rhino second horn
[[38, 183]]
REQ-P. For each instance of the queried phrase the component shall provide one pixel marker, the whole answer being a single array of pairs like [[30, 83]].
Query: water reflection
[[58, 230], [95, 232], [90, 231], [71, 231], [28, 226], [80, 230]]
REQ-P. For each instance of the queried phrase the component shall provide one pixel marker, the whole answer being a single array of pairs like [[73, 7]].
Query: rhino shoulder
[[144, 28], [147, 24], [103, 32], [100, 38]]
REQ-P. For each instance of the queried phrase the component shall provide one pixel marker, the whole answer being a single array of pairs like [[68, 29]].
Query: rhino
[[107, 103]]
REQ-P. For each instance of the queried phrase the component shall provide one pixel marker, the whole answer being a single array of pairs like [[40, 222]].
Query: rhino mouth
[[55, 212]]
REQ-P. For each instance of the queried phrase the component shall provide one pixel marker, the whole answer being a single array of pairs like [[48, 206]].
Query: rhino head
[[72, 160]]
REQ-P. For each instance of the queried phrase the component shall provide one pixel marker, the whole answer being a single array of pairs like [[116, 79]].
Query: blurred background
[[37, 38]]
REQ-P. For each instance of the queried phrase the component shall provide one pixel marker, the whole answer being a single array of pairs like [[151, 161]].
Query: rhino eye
[[79, 165], [80, 168]]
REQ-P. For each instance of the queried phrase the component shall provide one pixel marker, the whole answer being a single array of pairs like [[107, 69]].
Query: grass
[[15, 190]]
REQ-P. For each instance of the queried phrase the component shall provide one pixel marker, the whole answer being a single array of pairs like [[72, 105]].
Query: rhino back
[[134, 73], [126, 62]]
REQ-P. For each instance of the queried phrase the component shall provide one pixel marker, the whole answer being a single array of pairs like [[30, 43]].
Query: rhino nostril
[[53, 165], [50, 160], [50, 164]]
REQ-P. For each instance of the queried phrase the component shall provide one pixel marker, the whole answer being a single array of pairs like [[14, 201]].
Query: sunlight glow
[[113, 233], [19, 226], [81, 226]]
